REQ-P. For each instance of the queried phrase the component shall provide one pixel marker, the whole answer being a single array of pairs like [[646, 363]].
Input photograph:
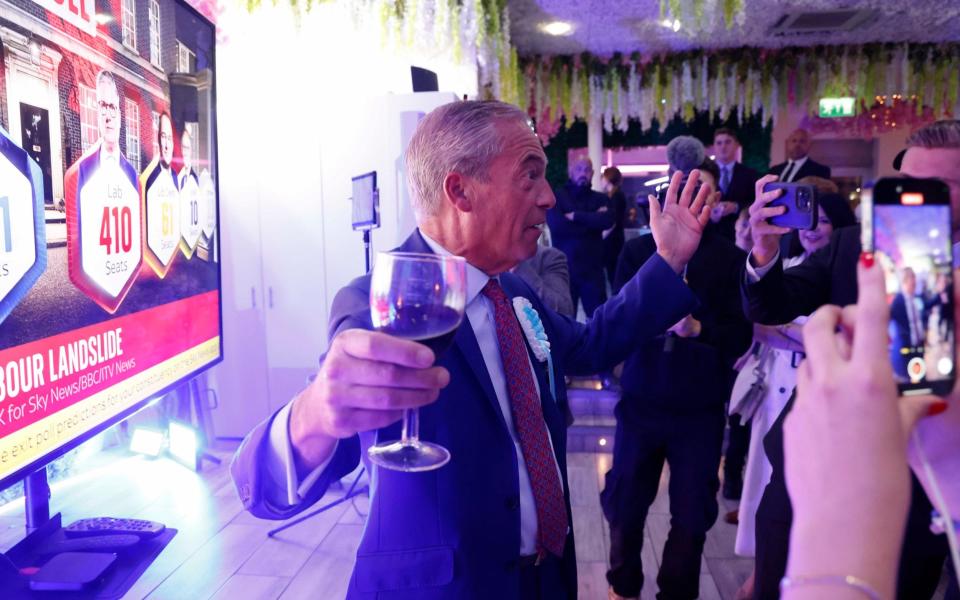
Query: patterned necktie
[[531, 428], [725, 179]]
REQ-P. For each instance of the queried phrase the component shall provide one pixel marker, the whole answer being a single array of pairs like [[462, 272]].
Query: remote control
[[98, 543], [111, 526]]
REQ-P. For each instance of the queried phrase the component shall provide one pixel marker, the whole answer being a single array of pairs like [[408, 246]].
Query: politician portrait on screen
[[103, 209], [161, 201]]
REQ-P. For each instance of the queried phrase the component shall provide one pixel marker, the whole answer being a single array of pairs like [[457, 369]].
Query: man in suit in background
[[773, 296], [577, 223], [736, 182], [494, 522], [549, 276], [907, 320], [799, 164]]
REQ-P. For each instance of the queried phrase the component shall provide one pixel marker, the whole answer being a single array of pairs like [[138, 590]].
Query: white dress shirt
[[109, 158], [793, 166], [289, 490]]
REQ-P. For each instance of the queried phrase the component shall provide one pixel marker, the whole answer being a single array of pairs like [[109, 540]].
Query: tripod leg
[[350, 494]]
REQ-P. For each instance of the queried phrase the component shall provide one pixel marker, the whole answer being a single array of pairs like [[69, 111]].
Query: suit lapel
[[465, 342]]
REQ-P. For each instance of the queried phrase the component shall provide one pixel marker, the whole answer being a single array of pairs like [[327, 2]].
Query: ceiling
[[606, 26]]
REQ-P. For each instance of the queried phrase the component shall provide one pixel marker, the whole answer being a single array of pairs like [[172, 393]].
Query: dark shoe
[[732, 488], [612, 595], [732, 517]]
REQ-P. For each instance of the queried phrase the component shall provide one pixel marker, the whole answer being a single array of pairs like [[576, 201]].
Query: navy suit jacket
[[455, 532]]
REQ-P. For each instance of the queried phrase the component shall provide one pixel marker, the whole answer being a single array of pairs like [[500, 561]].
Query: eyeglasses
[[108, 107]]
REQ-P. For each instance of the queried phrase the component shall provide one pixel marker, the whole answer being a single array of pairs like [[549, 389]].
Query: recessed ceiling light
[[557, 28], [674, 24]]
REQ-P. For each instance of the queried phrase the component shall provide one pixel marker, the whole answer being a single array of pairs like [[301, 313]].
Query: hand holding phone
[[765, 235], [800, 202]]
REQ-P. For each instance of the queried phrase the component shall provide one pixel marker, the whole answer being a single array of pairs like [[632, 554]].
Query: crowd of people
[[716, 312]]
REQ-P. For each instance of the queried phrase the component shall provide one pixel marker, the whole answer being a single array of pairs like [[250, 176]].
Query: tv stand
[[36, 496], [42, 528]]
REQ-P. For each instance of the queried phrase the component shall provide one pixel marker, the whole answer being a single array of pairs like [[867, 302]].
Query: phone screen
[[912, 241]]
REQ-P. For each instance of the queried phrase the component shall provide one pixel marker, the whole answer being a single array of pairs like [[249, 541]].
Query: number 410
[[121, 235]]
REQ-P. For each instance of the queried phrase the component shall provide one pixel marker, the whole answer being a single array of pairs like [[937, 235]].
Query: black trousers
[[690, 444], [738, 444], [543, 581], [591, 290]]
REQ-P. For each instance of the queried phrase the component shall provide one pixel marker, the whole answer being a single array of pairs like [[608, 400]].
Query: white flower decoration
[[532, 327], [536, 336]]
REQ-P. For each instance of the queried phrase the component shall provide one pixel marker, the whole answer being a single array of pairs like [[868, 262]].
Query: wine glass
[[417, 297]]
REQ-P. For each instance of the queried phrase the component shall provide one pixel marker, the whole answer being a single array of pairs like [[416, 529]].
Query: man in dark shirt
[[576, 225], [667, 415]]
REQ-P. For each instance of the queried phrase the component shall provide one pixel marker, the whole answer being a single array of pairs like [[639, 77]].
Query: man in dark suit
[[494, 522], [577, 223], [548, 274], [907, 318], [736, 185], [666, 415], [773, 296], [799, 164], [736, 182]]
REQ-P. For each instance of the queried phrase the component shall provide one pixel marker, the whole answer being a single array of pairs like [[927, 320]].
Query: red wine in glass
[[434, 326], [418, 297]]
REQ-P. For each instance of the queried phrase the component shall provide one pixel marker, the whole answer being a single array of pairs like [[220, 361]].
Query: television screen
[[109, 264]]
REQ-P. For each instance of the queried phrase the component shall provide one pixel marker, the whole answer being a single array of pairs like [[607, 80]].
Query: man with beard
[[576, 225]]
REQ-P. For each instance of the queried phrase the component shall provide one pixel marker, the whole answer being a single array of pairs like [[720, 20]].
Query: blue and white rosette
[[536, 335]]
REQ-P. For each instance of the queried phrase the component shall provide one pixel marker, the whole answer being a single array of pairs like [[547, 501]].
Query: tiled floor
[[223, 552]]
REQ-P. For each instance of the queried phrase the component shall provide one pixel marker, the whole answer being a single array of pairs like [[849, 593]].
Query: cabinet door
[[241, 379], [295, 298]]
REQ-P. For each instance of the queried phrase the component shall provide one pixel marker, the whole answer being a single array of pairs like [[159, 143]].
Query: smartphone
[[800, 199], [907, 225]]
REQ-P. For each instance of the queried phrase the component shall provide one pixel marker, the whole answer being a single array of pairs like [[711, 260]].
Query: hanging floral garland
[[699, 14], [473, 31], [922, 78]]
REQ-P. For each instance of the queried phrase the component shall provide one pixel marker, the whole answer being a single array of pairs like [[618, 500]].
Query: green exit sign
[[837, 107]]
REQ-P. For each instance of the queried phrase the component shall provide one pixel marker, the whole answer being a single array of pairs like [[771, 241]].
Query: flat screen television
[[109, 237]]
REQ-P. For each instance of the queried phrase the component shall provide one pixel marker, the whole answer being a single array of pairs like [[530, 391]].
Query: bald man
[[799, 163], [576, 225]]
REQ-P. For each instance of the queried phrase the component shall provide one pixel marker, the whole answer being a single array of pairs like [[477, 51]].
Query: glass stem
[[411, 426]]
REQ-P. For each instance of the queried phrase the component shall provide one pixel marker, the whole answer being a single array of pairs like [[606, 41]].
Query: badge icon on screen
[[162, 209], [190, 225], [23, 243], [104, 226]]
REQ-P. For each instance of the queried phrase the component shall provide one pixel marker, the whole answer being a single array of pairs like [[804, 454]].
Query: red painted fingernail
[[936, 409], [866, 258]]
